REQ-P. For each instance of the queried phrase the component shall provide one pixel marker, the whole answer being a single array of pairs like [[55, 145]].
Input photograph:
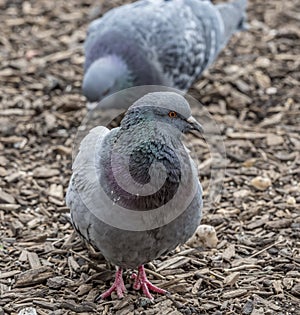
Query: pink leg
[[141, 281], [118, 286]]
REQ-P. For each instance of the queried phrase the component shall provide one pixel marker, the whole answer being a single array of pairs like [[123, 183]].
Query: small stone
[[290, 200], [249, 162], [28, 311], [3, 171], [231, 69], [271, 90], [261, 183], [205, 235]]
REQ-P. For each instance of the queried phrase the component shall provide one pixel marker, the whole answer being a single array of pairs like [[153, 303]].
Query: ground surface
[[253, 93]]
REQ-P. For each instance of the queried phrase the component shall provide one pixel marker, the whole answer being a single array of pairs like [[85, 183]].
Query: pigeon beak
[[194, 125]]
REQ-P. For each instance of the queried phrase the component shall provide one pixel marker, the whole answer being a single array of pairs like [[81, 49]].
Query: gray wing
[[88, 147], [191, 44], [116, 17], [83, 182]]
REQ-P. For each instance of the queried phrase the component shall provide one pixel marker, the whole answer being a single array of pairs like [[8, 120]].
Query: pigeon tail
[[242, 6], [233, 16]]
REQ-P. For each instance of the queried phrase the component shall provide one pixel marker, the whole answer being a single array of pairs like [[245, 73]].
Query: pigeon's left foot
[[118, 286], [141, 282]]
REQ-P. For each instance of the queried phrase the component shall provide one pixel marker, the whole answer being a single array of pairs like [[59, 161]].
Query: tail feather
[[234, 16], [242, 6]]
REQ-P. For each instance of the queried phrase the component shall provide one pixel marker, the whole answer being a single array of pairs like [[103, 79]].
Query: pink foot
[[118, 286], [141, 282]]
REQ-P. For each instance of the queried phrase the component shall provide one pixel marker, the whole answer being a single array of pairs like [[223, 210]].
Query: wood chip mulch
[[252, 92]]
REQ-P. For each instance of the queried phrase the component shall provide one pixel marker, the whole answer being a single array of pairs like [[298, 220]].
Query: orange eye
[[172, 114]]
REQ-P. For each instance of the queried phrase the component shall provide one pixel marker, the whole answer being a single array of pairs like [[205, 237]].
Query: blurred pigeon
[[156, 42], [129, 224]]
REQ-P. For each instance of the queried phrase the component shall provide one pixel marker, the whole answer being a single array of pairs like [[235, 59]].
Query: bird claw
[[141, 282], [118, 286], [137, 283], [120, 289]]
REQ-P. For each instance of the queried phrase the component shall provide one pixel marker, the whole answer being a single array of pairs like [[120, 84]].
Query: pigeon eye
[[172, 114]]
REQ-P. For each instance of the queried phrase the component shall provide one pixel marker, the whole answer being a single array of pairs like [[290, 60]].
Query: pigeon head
[[168, 108], [105, 76]]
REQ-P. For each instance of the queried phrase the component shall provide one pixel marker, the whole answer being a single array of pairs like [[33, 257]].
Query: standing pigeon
[[134, 193], [156, 42]]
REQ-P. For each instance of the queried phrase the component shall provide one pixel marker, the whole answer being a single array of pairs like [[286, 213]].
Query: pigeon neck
[[117, 63], [118, 69], [106, 75], [117, 42], [138, 159]]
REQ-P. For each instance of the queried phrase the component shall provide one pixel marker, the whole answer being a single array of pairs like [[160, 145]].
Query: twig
[[216, 275], [155, 274], [86, 259], [243, 267], [266, 248]]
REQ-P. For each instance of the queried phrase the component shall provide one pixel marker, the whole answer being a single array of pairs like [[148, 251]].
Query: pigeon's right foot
[[118, 286], [141, 282]]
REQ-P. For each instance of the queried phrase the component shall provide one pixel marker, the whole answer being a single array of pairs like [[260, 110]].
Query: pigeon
[[134, 193], [156, 42]]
